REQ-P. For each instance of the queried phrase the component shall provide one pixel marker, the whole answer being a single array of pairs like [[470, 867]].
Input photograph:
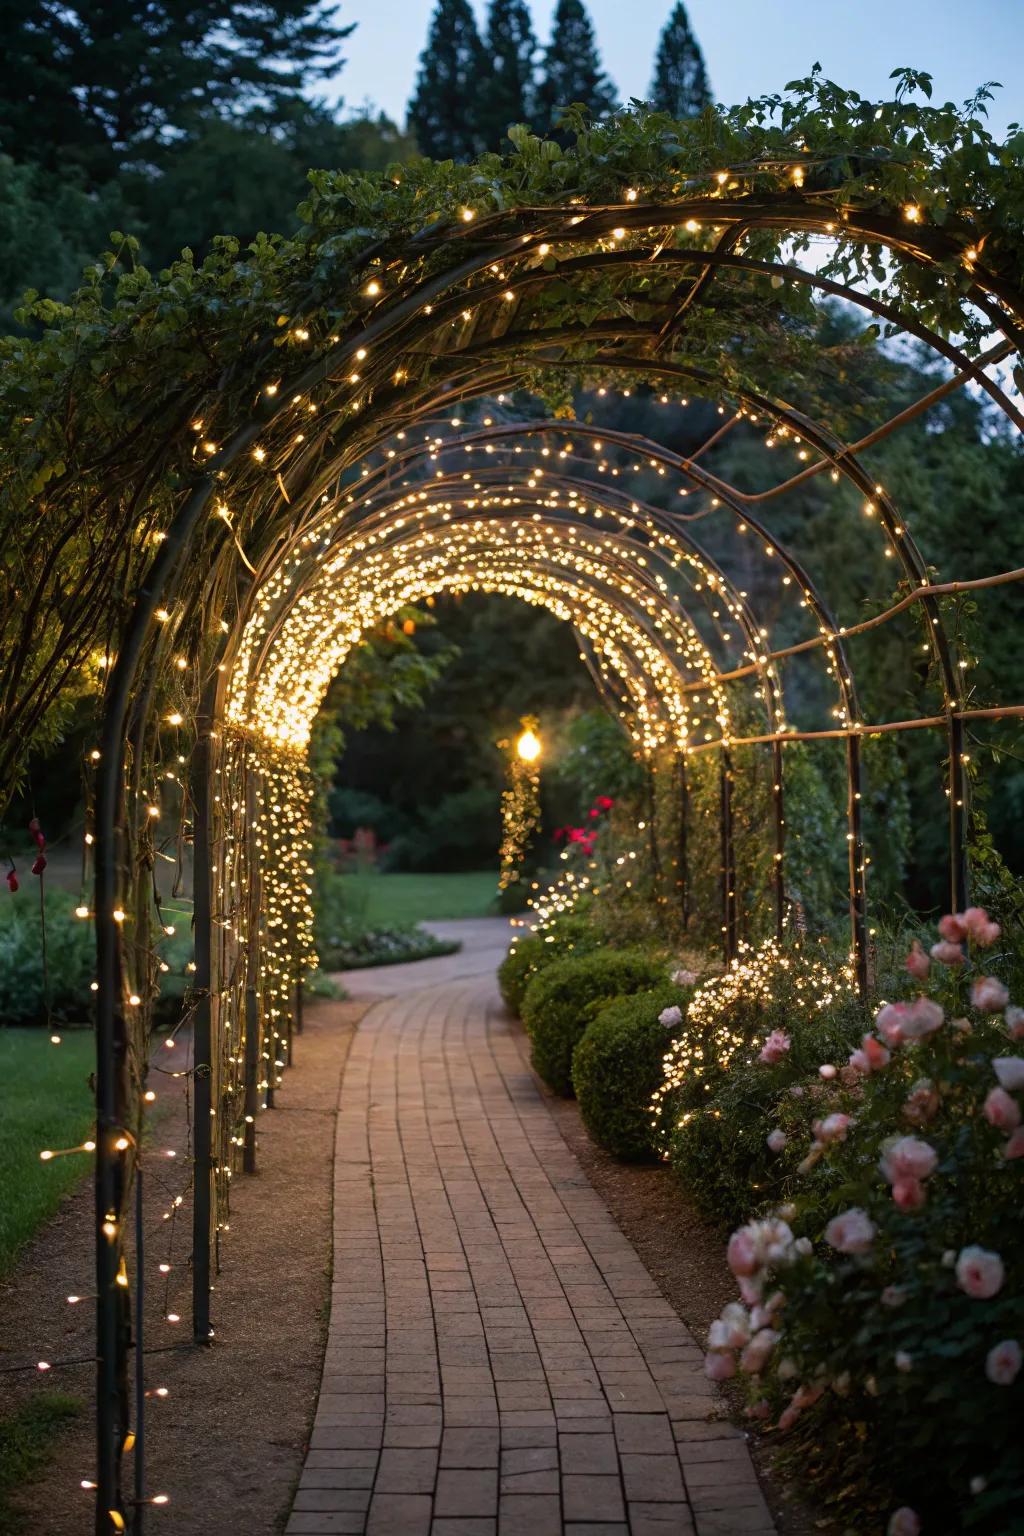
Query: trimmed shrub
[[571, 934], [617, 1066], [556, 1002], [71, 959]]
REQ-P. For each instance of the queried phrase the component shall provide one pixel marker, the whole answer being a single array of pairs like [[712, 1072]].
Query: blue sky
[[750, 46]]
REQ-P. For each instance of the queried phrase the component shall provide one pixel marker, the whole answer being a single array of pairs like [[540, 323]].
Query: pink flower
[[827, 1071], [917, 961], [788, 1417], [719, 1366], [774, 1048], [1015, 1022], [776, 1140], [1010, 1072], [832, 1128], [731, 1330], [684, 979], [1003, 1362], [953, 928], [755, 1357], [908, 1194], [903, 1522], [1014, 1147], [871, 1057], [1001, 1110], [989, 995], [670, 1017], [981, 930], [947, 953], [762, 1316], [741, 1254], [908, 1158], [979, 1272], [852, 1231], [899, 1022]]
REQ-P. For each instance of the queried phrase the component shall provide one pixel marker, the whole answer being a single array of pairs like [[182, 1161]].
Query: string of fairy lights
[[334, 541]]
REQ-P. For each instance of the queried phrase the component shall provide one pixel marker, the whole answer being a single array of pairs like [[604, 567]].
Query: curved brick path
[[499, 1362]]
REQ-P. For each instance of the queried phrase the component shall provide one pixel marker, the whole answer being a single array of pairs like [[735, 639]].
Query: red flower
[[12, 879], [604, 803], [40, 864]]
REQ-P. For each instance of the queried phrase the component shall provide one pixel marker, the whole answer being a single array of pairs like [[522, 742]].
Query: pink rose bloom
[[947, 953], [755, 1357], [774, 1048], [851, 1232], [908, 1158], [917, 961], [1003, 1362], [751, 1289], [1001, 1110], [989, 995], [788, 1417], [1010, 1072], [1015, 1022], [981, 930], [923, 1018], [908, 1194], [731, 1330], [764, 1316], [871, 1057], [741, 1255], [1014, 1147], [832, 1128], [776, 1140], [903, 1522], [670, 1017], [889, 1021], [953, 928], [805, 1396], [827, 1071], [718, 1366], [979, 1272]]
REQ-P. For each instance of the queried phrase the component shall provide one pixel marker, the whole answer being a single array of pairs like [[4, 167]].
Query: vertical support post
[[140, 1355], [300, 1002], [202, 1030], [729, 927], [959, 874], [779, 810], [684, 832], [252, 971], [855, 844]]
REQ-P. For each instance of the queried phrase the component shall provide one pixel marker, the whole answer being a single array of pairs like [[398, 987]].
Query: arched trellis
[[242, 472]]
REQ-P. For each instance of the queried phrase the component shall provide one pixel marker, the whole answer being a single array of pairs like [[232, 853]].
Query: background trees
[[680, 85]]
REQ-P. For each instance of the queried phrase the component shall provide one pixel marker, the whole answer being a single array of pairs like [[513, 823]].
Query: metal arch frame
[[166, 574]]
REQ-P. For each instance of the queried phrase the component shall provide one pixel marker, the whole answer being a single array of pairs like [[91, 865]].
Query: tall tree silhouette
[[572, 67], [444, 110], [511, 93], [680, 83]]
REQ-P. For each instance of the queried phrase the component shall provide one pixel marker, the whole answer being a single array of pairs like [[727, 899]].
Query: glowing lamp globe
[[528, 746]]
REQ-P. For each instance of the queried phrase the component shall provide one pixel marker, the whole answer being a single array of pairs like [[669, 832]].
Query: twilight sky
[[751, 47]]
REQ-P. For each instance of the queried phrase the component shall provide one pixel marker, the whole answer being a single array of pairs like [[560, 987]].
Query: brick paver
[[499, 1361]]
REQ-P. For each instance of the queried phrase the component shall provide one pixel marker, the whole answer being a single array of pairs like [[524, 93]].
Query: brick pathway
[[499, 1362]]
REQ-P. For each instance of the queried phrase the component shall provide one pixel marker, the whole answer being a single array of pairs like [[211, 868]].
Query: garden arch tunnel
[[246, 458]]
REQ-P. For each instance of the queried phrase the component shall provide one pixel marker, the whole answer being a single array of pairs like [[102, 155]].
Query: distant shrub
[[617, 1065], [71, 959], [555, 1007]]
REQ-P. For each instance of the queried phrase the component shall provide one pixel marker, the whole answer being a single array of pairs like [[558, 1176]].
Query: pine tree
[[572, 68], [511, 93], [445, 108], [680, 85], [99, 85]]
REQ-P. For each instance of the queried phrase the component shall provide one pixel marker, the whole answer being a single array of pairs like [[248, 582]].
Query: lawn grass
[[26, 1444], [45, 1102], [402, 898]]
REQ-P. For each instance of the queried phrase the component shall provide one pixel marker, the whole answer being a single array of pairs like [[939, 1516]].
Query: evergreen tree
[[680, 85], [445, 108], [511, 95], [572, 68], [99, 85]]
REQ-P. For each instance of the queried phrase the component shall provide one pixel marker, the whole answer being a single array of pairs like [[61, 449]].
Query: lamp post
[[520, 803]]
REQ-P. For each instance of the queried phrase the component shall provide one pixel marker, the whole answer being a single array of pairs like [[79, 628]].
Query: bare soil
[[228, 1440]]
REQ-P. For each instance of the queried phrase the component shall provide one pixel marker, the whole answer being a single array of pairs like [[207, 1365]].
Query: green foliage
[[443, 111], [30, 994], [573, 73], [461, 832], [616, 1068], [680, 85], [555, 1004], [597, 758], [570, 934], [348, 938]]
